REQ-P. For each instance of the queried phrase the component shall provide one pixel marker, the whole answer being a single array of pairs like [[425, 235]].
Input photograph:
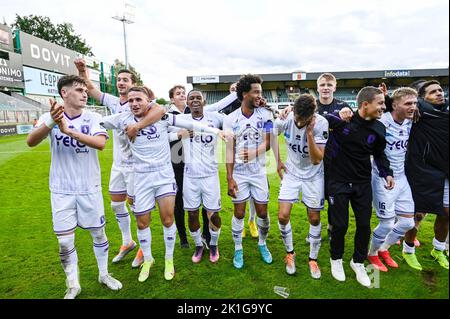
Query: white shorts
[[121, 181], [389, 203], [254, 186], [446, 194], [150, 187], [70, 211], [313, 191], [204, 190]]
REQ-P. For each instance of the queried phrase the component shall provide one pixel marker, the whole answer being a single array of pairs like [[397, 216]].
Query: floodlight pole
[[124, 20]]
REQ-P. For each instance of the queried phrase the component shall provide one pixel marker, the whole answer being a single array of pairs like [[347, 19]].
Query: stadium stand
[[13, 110]]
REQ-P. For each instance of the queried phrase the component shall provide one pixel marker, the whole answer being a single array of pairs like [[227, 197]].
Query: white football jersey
[[151, 150], [249, 133], [298, 162], [397, 137], [200, 151], [121, 149], [74, 168]]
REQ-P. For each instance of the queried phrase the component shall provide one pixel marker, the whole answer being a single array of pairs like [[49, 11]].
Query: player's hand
[[310, 126], [132, 130], [285, 112], [262, 102], [346, 114], [183, 133], [383, 87], [63, 127], [226, 136], [280, 169], [247, 155], [389, 183], [232, 188], [56, 111], [80, 64]]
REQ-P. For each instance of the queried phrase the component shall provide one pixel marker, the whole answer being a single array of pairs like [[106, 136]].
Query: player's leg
[[404, 209], [259, 190], [118, 192], [91, 216], [361, 201], [179, 211], [212, 204], [313, 198], [64, 225], [441, 231], [253, 227], [192, 202], [237, 222], [289, 192], [338, 215], [166, 202], [384, 203]]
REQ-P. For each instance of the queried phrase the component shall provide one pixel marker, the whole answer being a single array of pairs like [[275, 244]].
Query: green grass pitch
[[30, 266]]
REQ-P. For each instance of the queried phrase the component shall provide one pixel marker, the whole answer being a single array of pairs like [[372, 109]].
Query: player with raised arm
[[154, 177], [252, 127], [305, 134], [75, 182], [121, 177]]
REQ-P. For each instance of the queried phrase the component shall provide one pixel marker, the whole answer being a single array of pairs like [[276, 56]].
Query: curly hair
[[305, 106], [244, 85]]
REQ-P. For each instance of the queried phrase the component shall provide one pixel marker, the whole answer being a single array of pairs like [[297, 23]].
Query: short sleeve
[[97, 129], [110, 101], [112, 122], [321, 131]]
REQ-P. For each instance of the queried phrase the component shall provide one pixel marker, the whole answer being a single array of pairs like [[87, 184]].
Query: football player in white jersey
[[201, 184], [154, 177], [251, 126], [394, 208], [306, 134], [121, 178], [75, 183]]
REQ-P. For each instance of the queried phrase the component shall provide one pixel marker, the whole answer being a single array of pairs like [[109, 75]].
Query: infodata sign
[[44, 55], [41, 82], [397, 74], [11, 74], [205, 79]]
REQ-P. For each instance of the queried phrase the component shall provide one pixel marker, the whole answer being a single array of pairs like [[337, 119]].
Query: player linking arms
[[154, 178]]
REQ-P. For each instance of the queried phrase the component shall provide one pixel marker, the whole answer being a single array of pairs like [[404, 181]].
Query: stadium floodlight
[[126, 17]]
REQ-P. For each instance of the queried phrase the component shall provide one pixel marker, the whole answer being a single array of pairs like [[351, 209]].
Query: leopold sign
[[45, 55], [41, 82]]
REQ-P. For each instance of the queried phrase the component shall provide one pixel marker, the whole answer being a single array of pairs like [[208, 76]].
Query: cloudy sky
[[172, 39]]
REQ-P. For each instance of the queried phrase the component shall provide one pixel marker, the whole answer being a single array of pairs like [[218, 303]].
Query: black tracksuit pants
[[339, 196]]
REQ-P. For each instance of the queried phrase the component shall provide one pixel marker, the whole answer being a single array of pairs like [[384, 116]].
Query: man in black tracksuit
[[348, 177]]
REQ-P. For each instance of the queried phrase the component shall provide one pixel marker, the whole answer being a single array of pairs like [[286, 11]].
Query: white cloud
[[173, 39]]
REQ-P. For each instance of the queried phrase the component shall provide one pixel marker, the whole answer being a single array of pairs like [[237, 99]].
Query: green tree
[[62, 34]]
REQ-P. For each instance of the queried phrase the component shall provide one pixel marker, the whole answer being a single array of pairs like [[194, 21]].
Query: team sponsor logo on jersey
[[67, 141], [151, 132], [296, 148], [397, 144], [325, 135], [371, 139], [202, 139]]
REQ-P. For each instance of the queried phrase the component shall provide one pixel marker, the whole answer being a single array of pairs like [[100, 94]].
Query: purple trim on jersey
[[130, 196], [321, 143], [246, 116], [72, 118], [122, 215], [199, 118], [122, 104], [212, 210], [174, 118], [312, 208], [64, 231], [166, 195], [240, 201], [191, 209], [145, 212], [292, 201], [118, 192], [102, 99], [103, 225]]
